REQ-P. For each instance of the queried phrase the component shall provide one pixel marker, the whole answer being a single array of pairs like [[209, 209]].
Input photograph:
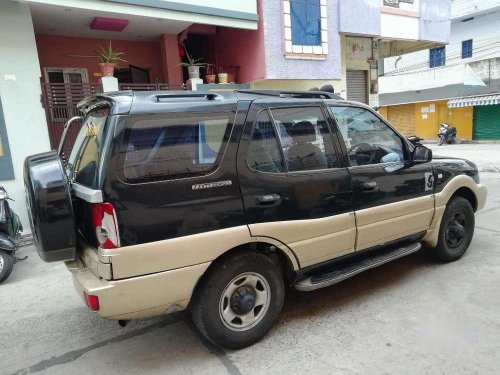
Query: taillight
[[105, 225], [92, 301]]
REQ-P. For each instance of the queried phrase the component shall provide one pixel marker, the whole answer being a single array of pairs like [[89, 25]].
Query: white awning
[[471, 101]]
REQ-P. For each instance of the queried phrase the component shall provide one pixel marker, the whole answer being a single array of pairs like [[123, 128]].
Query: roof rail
[[174, 95], [294, 94]]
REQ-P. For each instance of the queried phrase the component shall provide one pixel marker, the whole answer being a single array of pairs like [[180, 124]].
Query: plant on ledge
[[193, 65], [109, 59]]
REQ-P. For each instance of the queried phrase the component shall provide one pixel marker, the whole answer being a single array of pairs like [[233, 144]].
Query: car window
[[264, 154], [177, 146], [86, 153], [305, 138], [367, 138]]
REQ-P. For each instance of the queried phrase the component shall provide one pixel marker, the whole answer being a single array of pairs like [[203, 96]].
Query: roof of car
[[126, 102]]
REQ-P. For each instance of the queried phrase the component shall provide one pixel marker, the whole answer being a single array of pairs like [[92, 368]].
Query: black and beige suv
[[217, 202]]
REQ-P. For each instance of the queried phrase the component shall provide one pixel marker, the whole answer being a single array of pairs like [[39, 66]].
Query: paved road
[[411, 316]]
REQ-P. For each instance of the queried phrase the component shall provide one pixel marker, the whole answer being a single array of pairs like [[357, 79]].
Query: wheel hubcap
[[245, 301], [455, 231]]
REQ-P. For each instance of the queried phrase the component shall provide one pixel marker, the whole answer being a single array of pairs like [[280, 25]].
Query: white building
[[457, 83]]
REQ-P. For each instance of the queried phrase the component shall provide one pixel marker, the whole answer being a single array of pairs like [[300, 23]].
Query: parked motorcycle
[[10, 233], [446, 134]]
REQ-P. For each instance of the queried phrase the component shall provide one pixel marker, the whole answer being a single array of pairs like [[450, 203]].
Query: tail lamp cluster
[[105, 225]]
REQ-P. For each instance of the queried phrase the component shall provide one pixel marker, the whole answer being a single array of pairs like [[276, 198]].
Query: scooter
[[10, 234], [446, 134]]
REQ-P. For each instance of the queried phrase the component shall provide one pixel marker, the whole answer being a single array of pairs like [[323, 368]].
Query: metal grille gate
[[60, 99]]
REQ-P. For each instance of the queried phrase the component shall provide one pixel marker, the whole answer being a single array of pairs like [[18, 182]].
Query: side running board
[[345, 271]]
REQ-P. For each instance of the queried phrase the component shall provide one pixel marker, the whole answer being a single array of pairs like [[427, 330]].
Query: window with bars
[[467, 49], [437, 57], [306, 22]]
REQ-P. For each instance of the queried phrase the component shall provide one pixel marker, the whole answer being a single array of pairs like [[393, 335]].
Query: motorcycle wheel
[[440, 141], [6, 265]]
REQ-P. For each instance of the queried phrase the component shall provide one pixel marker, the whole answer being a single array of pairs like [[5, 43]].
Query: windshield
[[85, 156]]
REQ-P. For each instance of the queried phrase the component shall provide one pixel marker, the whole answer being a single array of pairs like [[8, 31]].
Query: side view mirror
[[414, 140], [421, 154]]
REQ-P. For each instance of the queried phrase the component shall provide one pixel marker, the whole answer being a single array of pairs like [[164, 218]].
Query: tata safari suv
[[218, 202]]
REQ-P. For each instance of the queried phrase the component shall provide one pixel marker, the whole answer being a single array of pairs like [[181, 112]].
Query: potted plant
[[222, 76], [210, 76], [193, 66], [109, 59]]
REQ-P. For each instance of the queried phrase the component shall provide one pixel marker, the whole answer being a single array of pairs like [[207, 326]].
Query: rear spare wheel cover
[[49, 205]]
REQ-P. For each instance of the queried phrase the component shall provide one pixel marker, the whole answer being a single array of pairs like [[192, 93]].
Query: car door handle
[[268, 199], [368, 187]]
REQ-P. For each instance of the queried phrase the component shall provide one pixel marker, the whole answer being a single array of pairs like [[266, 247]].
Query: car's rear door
[[295, 186], [393, 198]]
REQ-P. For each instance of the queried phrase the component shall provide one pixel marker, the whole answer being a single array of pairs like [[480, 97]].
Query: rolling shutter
[[356, 86], [486, 122], [403, 118]]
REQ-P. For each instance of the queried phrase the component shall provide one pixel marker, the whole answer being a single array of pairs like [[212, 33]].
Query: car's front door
[[393, 198], [295, 188]]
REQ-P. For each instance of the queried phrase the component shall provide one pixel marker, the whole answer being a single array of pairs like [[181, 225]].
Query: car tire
[[456, 230], [239, 300], [6, 265]]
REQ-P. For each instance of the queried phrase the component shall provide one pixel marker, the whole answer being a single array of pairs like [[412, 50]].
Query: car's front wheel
[[240, 299], [456, 230]]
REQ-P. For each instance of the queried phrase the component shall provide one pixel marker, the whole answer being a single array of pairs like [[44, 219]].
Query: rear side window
[[178, 145], [85, 156], [305, 138], [264, 154]]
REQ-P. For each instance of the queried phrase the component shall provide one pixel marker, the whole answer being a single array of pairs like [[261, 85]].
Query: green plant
[[192, 61], [108, 55]]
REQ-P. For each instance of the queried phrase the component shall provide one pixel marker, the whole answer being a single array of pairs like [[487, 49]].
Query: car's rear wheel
[[456, 230], [240, 299], [6, 265]]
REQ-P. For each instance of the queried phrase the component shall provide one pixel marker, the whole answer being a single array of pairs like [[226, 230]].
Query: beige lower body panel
[[313, 240], [382, 224], [139, 297], [431, 237], [130, 261]]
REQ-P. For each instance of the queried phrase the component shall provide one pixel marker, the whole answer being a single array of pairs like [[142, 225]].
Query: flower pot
[[107, 69], [222, 77], [193, 71], [210, 78]]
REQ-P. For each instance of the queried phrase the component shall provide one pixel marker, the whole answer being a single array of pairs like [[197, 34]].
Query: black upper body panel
[[445, 168], [231, 194]]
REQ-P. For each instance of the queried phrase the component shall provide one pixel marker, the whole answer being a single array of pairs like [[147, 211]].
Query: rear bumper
[[138, 297]]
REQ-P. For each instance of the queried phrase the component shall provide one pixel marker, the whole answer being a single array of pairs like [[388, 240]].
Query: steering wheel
[[353, 150]]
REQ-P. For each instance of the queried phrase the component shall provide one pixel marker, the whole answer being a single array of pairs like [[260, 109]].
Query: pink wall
[[244, 48], [53, 52]]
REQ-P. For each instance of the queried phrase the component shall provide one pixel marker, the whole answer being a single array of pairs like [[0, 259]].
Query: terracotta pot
[[210, 78], [107, 69], [222, 77]]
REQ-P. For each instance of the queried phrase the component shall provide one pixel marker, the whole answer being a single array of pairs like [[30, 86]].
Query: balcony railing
[[60, 99]]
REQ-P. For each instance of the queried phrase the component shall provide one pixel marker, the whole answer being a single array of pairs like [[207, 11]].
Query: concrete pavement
[[412, 316]]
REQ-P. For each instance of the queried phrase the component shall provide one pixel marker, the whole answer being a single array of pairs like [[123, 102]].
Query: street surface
[[411, 316]]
